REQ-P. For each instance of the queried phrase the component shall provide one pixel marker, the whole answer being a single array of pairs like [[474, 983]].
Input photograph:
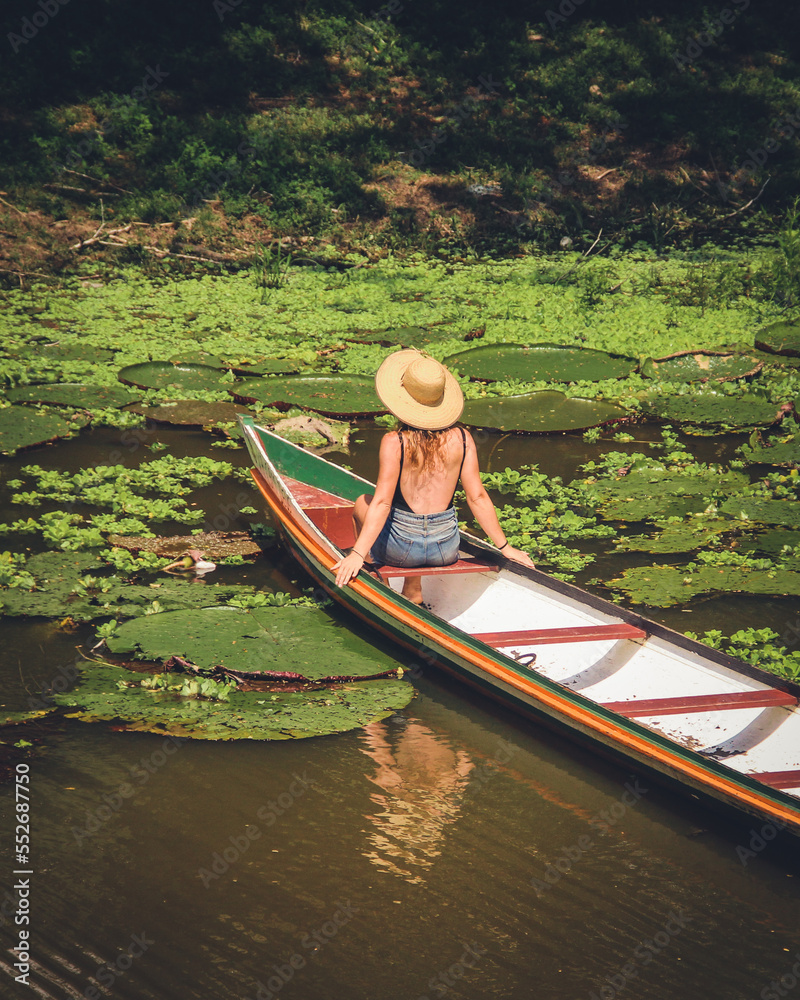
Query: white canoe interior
[[701, 705], [761, 739]]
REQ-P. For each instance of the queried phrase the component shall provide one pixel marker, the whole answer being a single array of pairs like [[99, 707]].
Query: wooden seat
[[575, 633], [777, 779], [767, 698], [334, 518], [466, 564]]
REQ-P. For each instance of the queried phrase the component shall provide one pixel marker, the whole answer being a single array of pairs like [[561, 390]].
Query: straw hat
[[419, 391]]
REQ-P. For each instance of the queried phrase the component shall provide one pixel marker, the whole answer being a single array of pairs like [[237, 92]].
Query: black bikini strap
[[402, 454], [464, 455]]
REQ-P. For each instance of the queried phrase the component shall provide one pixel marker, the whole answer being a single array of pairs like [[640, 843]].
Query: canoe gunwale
[[370, 599]]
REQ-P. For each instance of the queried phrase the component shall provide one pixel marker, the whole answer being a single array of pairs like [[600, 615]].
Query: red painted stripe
[[312, 496], [576, 633], [701, 703], [778, 779]]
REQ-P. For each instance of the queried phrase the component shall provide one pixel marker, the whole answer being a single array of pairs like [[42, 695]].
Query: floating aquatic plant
[[262, 639], [552, 362], [543, 412], [215, 544], [109, 693], [664, 586], [23, 427], [331, 395], [74, 394], [702, 366], [713, 408], [780, 338], [176, 379], [192, 413], [781, 449]]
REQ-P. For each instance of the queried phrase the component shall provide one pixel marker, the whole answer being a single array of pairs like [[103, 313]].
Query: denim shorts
[[409, 539]]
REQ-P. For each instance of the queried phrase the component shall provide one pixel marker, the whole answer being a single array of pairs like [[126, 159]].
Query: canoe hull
[[430, 641]]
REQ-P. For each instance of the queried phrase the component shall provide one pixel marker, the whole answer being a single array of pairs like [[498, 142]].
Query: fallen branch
[[96, 237], [96, 181], [81, 194], [9, 205], [207, 254], [99, 230], [282, 676], [33, 274], [752, 201]]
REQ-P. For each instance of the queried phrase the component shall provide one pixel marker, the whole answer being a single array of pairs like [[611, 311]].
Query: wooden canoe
[[675, 709]]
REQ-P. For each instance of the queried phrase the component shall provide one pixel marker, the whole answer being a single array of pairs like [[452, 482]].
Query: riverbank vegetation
[[336, 128]]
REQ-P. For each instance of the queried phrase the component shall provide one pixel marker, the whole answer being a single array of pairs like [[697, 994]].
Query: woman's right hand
[[518, 556], [348, 568]]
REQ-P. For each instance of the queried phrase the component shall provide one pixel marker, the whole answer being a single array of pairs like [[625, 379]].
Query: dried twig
[[102, 226], [752, 200], [9, 205], [88, 178], [284, 676], [580, 259]]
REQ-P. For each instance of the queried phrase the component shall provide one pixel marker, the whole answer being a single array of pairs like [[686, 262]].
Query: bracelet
[[501, 547], [354, 553]]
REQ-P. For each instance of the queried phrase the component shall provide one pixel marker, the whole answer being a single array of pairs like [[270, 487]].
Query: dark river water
[[452, 850]]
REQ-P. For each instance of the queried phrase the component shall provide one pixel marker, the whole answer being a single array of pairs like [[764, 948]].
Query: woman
[[410, 520]]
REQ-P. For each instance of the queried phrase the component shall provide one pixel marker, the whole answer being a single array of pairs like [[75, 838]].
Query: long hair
[[424, 449]]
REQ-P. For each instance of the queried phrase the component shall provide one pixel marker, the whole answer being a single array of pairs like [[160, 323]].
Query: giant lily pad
[[331, 395], [553, 362], [73, 394], [781, 450], [713, 408], [176, 378], [197, 358], [407, 336], [300, 639], [539, 413], [111, 693], [114, 598], [266, 366], [700, 366], [67, 351], [664, 586], [61, 567], [774, 542], [23, 427], [191, 412], [780, 338]]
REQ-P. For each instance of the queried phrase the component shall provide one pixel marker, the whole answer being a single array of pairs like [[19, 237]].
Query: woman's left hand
[[348, 569], [518, 556]]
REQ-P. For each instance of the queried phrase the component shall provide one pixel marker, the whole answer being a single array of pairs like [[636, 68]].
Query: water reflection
[[422, 781]]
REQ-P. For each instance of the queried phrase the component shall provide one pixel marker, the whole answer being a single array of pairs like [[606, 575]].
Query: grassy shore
[[212, 132]]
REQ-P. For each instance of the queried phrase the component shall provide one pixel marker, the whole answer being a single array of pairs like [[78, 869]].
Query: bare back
[[429, 490]]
